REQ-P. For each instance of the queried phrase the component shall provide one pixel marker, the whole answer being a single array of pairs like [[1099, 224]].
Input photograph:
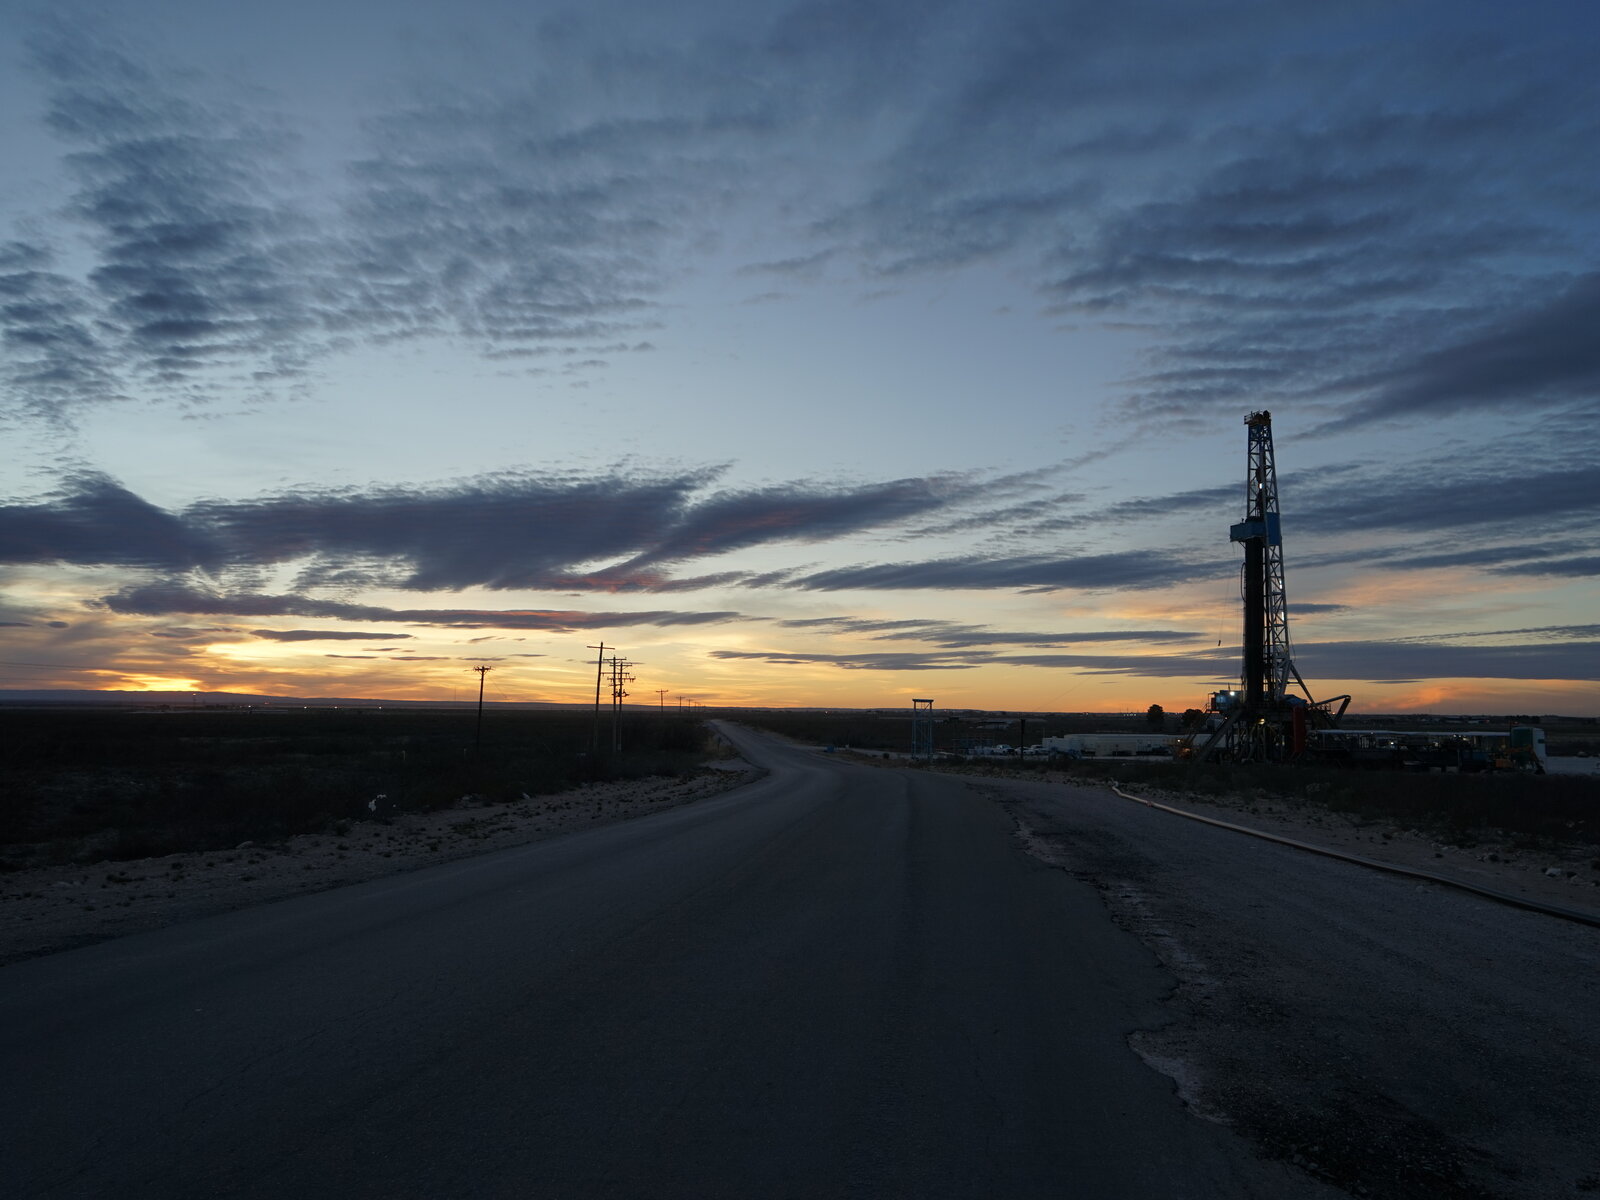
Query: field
[[90, 784]]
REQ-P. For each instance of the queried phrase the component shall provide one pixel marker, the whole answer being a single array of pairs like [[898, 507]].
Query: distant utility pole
[[620, 678], [599, 669], [922, 729], [662, 692], [477, 742]]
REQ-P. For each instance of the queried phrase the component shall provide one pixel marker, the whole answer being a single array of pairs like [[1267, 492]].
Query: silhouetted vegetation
[[104, 784]]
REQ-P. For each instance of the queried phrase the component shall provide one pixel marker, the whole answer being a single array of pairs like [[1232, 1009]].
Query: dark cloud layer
[[94, 520], [1370, 661], [1372, 221], [1376, 208], [320, 635], [1572, 568], [880, 661], [161, 600], [957, 635], [1482, 495], [509, 532], [1546, 353], [1127, 569]]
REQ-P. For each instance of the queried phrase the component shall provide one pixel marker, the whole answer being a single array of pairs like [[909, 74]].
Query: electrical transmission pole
[[477, 741], [620, 678], [662, 693], [599, 669]]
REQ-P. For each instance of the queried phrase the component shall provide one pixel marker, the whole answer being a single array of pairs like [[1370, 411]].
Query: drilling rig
[[1263, 721]]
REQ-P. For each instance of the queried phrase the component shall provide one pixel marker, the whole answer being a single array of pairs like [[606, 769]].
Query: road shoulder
[[46, 909]]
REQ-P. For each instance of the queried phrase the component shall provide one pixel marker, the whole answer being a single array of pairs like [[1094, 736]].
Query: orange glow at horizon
[[156, 683]]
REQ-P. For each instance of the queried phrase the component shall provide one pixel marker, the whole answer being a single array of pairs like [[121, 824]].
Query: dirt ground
[[45, 909]]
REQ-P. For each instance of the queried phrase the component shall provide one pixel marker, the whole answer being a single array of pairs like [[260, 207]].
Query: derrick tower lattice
[[1262, 722], [1268, 662]]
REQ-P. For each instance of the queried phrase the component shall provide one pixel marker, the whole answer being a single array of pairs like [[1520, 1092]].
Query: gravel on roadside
[[45, 909]]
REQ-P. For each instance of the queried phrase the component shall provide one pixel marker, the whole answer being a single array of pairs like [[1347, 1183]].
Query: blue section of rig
[[1267, 528]]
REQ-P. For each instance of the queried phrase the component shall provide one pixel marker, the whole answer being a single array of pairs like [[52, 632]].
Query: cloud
[[1557, 495], [55, 353], [1545, 354], [1530, 498], [534, 215], [1370, 661], [319, 635], [1556, 653], [957, 635], [91, 519], [1361, 226], [1567, 659], [510, 531], [1386, 220], [736, 520], [185, 633], [856, 662], [163, 599], [1125, 569], [500, 533], [201, 271], [1575, 568]]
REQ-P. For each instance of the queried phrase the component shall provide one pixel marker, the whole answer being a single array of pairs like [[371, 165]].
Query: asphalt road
[[837, 981], [1405, 1040]]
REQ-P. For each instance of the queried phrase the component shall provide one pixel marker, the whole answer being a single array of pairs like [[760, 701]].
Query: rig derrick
[[1263, 721]]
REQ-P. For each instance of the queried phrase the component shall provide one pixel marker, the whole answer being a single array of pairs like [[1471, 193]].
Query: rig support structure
[[1263, 721]]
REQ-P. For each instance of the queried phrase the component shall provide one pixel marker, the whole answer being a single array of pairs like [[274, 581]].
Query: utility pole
[[662, 693], [477, 741], [922, 730], [599, 669], [620, 678]]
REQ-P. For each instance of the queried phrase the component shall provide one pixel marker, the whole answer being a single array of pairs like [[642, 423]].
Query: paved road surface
[[837, 981], [1408, 1041]]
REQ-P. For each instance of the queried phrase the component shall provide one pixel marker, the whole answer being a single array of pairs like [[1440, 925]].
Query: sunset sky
[[816, 353]]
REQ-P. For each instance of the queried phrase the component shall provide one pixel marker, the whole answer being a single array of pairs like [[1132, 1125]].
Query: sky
[[806, 353]]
